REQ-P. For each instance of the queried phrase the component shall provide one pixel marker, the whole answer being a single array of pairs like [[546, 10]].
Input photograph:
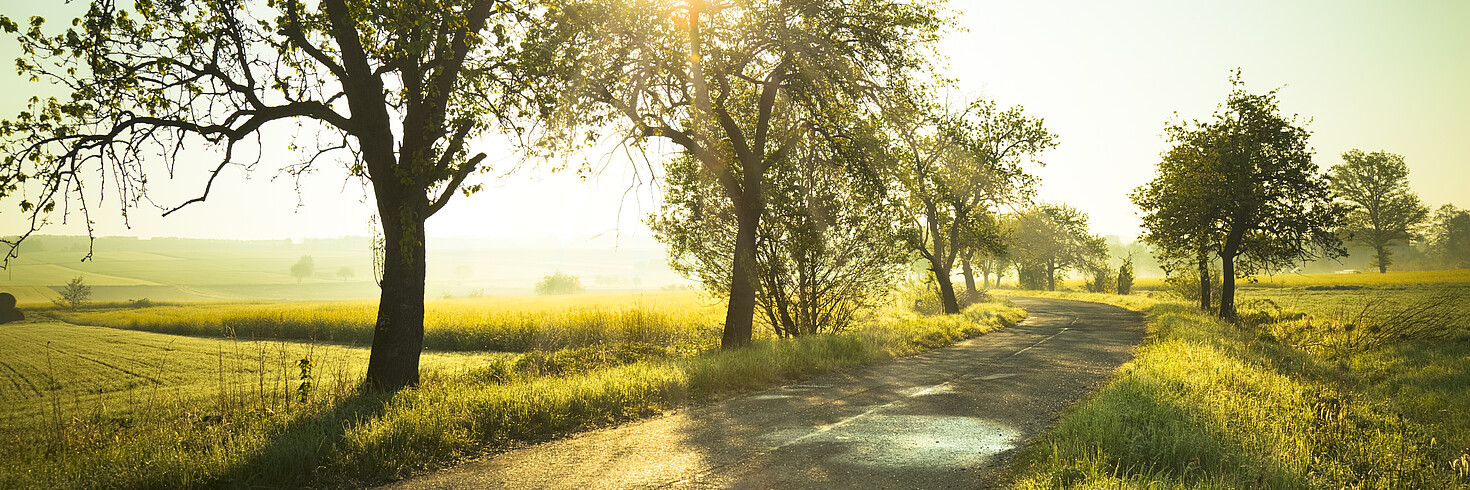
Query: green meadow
[[1289, 398]]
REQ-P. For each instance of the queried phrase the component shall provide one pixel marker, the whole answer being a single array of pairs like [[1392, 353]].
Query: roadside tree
[[399, 90], [1253, 197], [1384, 210], [736, 86], [955, 171]]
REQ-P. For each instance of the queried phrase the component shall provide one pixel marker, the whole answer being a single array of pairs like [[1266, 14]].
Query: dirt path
[[948, 418]]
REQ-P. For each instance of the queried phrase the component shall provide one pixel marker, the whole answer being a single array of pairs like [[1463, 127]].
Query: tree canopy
[[1384, 210], [398, 92], [1243, 187], [737, 86]]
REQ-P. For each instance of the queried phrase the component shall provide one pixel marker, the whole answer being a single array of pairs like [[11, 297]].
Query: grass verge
[[1213, 405], [342, 438]]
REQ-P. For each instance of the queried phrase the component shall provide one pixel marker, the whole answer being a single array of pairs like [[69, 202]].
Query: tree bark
[[946, 289], [740, 314], [1228, 252], [1051, 275], [398, 336], [1204, 281], [969, 276], [1382, 258]]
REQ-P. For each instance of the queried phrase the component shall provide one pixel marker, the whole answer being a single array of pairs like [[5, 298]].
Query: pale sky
[[1106, 77]]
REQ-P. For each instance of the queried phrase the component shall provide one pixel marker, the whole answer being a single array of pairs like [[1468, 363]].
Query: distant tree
[[559, 283], [1449, 237], [735, 84], [1384, 210], [1051, 239], [345, 273], [464, 272], [400, 91], [956, 170], [1252, 196], [303, 268], [74, 294]]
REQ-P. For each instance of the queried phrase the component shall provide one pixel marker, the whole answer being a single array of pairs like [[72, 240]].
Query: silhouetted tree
[[303, 268], [401, 88]]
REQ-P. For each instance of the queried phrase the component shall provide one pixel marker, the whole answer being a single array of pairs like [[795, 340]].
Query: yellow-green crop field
[[95, 406]]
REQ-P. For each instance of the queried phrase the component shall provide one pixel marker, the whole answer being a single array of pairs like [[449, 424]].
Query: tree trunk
[[946, 289], [1204, 282], [740, 315], [1228, 251], [1051, 275], [969, 276], [1227, 287], [398, 336], [1382, 258]]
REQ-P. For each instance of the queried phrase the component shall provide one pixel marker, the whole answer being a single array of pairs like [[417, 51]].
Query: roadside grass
[[201, 412], [1206, 404], [681, 320]]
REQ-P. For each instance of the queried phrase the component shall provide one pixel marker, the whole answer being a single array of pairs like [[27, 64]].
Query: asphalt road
[[947, 418]]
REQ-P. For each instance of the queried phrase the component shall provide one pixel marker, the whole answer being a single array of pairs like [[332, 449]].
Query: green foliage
[[956, 169], [1384, 210], [1241, 187], [740, 88], [74, 294], [1050, 239], [1449, 237], [1101, 280], [559, 283], [826, 248]]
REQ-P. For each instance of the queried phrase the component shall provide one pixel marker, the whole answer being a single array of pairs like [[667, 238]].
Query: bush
[[559, 283], [1125, 276]]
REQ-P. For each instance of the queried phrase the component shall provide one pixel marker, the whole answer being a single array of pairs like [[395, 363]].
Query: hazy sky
[[1106, 77]]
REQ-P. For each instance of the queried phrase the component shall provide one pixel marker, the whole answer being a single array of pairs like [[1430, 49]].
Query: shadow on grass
[[298, 454]]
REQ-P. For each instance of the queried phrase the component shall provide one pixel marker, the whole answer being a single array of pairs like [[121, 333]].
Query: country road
[[947, 418]]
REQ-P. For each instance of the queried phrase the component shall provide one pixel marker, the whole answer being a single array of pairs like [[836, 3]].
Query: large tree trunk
[[946, 288], [1228, 251], [740, 314], [398, 336], [1382, 258], [1051, 275]]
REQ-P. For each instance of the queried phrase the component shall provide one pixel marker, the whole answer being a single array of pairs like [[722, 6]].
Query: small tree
[[559, 283], [1449, 237], [74, 294], [345, 273], [1125, 276], [303, 268]]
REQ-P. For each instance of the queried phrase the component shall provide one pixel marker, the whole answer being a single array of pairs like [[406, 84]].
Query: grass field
[[681, 320], [1208, 404], [102, 407]]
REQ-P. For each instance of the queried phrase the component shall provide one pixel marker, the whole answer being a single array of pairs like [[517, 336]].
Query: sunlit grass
[[517, 323], [221, 412], [1212, 405]]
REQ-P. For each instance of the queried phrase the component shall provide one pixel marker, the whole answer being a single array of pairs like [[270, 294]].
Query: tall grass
[[1212, 405], [341, 438]]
